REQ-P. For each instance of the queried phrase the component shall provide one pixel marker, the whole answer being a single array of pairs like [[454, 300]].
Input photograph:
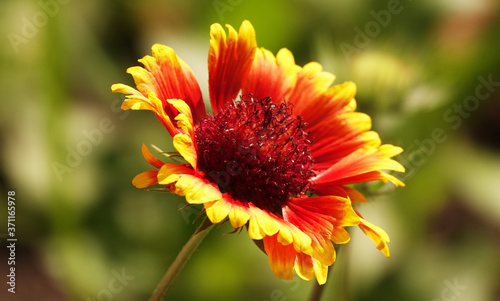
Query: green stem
[[317, 291], [181, 259]]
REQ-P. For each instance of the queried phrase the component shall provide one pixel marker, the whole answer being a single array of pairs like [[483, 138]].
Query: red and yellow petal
[[375, 233], [354, 195], [145, 179], [150, 102], [184, 142], [261, 223], [150, 177], [172, 78], [229, 60], [281, 258], [164, 77], [365, 164], [282, 82], [284, 259], [323, 218]]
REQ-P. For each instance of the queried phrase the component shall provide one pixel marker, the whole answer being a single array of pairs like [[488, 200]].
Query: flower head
[[277, 153]]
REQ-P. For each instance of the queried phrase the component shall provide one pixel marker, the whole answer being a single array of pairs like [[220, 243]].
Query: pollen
[[256, 150]]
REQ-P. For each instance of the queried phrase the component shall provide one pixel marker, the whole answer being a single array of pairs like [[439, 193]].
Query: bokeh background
[[427, 72]]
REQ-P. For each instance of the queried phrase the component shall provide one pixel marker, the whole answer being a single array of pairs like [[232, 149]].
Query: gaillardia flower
[[277, 153]]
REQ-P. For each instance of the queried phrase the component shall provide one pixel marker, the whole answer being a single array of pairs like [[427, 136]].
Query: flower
[[277, 158]]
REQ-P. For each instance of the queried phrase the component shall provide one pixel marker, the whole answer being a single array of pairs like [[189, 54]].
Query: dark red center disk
[[257, 150]]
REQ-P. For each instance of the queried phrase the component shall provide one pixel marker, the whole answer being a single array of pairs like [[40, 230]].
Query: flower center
[[257, 151]]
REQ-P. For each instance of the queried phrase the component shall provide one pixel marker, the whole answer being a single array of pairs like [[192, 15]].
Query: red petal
[[271, 76], [173, 79], [281, 258], [362, 165], [229, 60]]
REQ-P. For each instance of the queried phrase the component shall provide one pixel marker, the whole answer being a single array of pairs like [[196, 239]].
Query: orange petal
[[145, 179], [229, 60], [343, 191], [150, 158], [377, 234], [354, 195], [281, 258]]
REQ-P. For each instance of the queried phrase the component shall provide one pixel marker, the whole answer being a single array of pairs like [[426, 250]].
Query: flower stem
[[317, 292], [181, 259]]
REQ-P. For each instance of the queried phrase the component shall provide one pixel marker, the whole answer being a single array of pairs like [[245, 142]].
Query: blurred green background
[[427, 73]]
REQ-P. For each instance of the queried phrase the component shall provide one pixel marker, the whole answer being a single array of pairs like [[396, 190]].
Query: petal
[[320, 271], [229, 60], [185, 145], [354, 195], [150, 158], [217, 211], [363, 165], [281, 258], [260, 84], [174, 79], [262, 223], [124, 89], [137, 101], [284, 258], [377, 234], [304, 266], [171, 173], [186, 182], [145, 179], [239, 214], [322, 218], [197, 190], [164, 77], [327, 151], [340, 236], [323, 103], [311, 82]]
